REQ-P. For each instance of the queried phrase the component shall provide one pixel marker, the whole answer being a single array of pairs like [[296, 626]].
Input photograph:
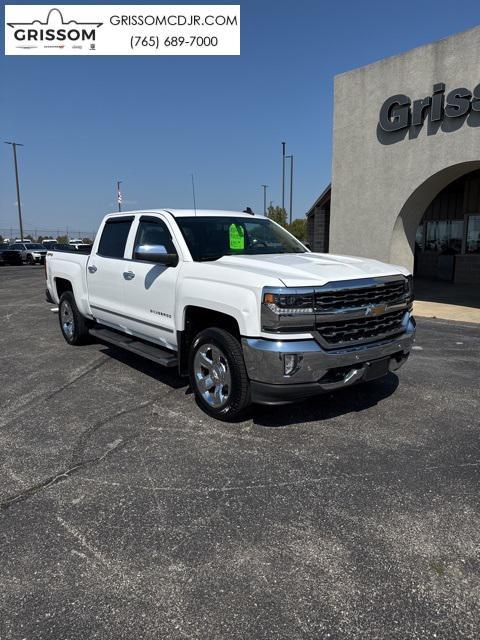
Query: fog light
[[291, 363]]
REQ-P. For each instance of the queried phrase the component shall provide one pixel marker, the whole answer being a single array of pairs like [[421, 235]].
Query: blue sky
[[152, 121]]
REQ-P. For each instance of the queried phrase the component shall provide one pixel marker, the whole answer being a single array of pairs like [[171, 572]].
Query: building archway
[[402, 246]]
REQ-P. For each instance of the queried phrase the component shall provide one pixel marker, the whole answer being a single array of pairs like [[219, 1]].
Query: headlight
[[289, 302], [286, 309]]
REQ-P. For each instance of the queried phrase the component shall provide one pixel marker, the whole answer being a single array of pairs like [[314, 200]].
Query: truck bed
[[68, 248], [69, 265]]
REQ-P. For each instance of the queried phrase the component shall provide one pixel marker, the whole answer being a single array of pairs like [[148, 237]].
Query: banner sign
[[113, 30]]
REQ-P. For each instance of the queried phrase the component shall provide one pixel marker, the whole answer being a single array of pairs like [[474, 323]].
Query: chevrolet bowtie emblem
[[375, 309]]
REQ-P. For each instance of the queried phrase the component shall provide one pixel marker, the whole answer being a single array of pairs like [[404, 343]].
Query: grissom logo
[[54, 30]]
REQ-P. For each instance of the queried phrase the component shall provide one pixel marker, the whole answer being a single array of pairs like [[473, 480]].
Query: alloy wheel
[[66, 317], [212, 375]]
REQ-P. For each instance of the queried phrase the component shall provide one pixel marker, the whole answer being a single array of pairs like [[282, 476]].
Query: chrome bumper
[[319, 370]]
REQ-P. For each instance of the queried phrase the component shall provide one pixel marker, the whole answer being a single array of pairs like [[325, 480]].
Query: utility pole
[[264, 199], [119, 195], [14, 147], [291, 186], [283, 175]]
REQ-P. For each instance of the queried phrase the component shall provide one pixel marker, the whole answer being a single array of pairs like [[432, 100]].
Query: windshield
[[33, 246], [211, 237]]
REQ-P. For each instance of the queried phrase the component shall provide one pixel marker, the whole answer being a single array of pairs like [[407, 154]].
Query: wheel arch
[[195, 319], [62, 285]]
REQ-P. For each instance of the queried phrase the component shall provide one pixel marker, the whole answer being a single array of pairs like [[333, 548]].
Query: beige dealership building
[[406, 162]]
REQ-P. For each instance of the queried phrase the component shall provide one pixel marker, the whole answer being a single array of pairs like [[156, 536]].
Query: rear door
[[105, 273]]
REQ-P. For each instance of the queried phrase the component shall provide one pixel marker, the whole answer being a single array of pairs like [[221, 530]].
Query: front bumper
[[320, 370]]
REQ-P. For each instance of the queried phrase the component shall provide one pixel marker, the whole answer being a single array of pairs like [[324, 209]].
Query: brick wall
[[310, 230], [427, 264], [321, 225]]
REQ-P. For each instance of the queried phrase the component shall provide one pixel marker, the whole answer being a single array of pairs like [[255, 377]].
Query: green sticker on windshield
[[236, 237]]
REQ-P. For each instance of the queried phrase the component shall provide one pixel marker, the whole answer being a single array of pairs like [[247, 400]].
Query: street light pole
[[14, 147], [291, 186], [119, 195], [264, 199], [283, 175]]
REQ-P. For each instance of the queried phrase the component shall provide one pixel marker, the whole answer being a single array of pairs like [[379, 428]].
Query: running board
[[139, 347]]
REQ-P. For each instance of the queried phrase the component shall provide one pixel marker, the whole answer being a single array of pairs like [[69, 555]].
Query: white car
[[235, 302], [32, 252]]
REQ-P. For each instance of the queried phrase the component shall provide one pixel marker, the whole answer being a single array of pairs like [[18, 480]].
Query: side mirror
[[155, 253], [307, 244]]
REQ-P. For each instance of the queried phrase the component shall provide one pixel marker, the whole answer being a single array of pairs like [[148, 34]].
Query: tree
[[1, 239], [62, 239], [86, 241], [277, 214], [298, 228]]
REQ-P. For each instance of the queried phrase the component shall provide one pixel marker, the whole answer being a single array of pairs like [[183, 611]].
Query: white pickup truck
[[236, 303]]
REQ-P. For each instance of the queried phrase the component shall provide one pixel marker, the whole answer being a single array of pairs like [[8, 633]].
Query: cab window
[[114, 237]]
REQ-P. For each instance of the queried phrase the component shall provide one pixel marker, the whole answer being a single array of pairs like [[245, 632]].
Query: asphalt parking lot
[[128, 513]]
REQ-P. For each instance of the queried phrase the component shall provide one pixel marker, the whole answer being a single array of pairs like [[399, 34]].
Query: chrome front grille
[[344, 332], [356, 312], [362, 296]]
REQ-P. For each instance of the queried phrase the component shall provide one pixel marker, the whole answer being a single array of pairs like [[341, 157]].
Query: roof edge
[[322, 196]]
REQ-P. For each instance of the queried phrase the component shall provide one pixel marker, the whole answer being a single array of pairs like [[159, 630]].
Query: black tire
[[73, 325], [238, 391], [30, 260]]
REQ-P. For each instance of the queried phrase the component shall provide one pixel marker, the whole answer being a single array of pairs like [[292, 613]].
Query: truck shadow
[[168, 376], [317, 409], [327, 406]]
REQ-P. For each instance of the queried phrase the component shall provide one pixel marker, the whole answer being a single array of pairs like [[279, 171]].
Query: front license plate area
[[377, 369]]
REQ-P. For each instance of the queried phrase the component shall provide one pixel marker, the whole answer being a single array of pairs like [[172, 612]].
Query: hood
[[312, 269]]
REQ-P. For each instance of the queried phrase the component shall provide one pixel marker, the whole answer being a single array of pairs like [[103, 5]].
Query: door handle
[[92, 269], [128, 275]]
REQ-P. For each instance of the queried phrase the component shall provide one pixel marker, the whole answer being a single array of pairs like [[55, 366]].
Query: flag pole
[[119, 195]]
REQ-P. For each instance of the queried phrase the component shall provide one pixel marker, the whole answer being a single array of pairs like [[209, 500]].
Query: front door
[[149, 288]]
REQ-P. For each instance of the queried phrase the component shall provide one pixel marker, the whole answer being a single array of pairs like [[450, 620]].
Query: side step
[[139, 347]]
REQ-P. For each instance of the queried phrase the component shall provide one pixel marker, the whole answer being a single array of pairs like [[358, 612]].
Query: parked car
[[10, 256], [49, 243], [237, 303], [80, 246], [32, 252]]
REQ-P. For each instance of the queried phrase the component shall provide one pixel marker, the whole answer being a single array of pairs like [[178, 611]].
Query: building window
[[419, 237], [472, 244], [444, 236]]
